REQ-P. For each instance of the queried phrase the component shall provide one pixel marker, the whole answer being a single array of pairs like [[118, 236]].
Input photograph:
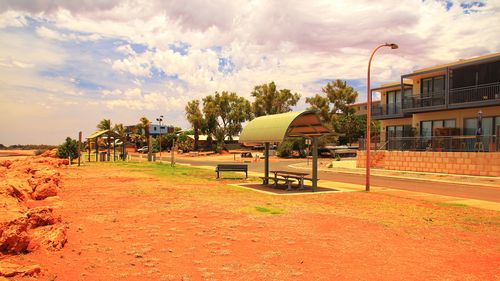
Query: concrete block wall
[[465, 163]]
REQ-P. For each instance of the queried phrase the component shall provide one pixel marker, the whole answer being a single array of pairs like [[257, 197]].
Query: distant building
[[154, 130], [361, 107]]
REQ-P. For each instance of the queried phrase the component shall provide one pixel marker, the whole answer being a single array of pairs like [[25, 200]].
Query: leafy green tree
[[195, 118], [333, 107], [269, 100], [338, 95], [224, 113], [68, 149]]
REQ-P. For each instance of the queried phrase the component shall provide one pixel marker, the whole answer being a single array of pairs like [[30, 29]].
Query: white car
[[143, 149]]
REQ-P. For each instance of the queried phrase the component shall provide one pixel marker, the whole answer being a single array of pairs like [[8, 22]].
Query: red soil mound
[[24, 229]]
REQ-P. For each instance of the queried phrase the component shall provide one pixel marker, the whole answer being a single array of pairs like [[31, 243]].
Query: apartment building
[[438, 107], [361, 107]]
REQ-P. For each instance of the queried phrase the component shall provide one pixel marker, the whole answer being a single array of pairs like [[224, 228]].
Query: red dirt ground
[[131, 222]]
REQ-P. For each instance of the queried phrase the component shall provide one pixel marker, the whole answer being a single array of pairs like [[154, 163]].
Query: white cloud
[[45, 32], [294, 43]]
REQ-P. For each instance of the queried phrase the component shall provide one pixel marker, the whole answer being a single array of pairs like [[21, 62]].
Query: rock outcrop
[[24, 229]]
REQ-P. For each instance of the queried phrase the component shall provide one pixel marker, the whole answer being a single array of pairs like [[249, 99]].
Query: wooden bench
[[288, 182], [232, 168]]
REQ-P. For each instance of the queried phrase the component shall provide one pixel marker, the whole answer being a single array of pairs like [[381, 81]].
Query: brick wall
[[466, 163]]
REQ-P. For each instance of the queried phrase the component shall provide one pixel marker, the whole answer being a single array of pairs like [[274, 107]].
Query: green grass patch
[[269, 210], [444, 204]]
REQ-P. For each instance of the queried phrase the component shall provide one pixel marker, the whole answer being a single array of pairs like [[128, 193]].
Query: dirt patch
[[154, 222]]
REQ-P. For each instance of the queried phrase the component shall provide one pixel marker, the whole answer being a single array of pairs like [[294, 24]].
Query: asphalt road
[[487, 193]]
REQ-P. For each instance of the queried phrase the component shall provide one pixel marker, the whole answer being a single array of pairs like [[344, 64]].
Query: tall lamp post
[[160, 119], [369, 115]]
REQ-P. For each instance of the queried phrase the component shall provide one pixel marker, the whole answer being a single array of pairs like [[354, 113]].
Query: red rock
[[13, 236], [5, 163], [50, 153], [44, 190], [51, 237], [41, 216], [8, 269]]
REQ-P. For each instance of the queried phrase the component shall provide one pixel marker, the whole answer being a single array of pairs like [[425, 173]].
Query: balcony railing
[[475, 93], [387, 109], [427, 100], [445, 143]]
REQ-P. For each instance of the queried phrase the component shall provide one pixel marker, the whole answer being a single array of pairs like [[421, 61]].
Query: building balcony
[[428, 102], [387, 111], [485, 94]]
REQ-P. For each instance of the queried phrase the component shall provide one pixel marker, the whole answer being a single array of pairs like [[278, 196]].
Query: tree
[[143, 127], [339, 95], [333, 107], [105, 124], [269, 100], [68, 149], [224, 113], [353, 126], [195, 118]]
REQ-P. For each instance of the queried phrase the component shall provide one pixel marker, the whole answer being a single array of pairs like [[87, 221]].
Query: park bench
[[232, 168]]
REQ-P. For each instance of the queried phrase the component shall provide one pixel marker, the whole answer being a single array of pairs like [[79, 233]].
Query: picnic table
[[288, 175]]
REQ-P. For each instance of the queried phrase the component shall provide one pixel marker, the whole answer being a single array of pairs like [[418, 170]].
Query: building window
[[393, 101], [427, 127], [488, 125], [432, 86]]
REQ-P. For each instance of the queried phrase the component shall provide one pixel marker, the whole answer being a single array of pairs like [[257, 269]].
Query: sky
[[65, 65]]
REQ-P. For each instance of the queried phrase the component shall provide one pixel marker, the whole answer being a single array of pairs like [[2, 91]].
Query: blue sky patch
[[226, 66], [180, 47]]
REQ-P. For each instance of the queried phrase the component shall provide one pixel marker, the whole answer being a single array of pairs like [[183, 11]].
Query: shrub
[[68, 149], [39, 152]]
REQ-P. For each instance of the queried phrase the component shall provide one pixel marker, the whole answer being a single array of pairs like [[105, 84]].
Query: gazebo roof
[[108, 133], [275, 128]]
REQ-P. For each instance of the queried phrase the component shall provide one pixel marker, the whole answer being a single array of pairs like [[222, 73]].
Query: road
[[486, 193]]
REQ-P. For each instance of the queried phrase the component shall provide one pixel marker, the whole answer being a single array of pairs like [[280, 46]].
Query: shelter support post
[[89, 143], [315, 163], [108, 154], [114, 151], [96, 150], [266, 163]]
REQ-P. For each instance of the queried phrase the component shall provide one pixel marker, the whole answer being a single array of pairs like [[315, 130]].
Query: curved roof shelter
[[106, 134], [277, 127]]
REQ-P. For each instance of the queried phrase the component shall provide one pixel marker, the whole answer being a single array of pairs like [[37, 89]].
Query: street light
[[369, 115], [159, 119]]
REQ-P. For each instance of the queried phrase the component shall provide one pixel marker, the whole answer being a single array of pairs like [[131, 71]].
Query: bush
[[68, 149], [39, 152]]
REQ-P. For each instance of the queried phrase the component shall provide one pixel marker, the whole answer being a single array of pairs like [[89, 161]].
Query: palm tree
[[105, 124], [122, 132], [195, 117], [143, 127]]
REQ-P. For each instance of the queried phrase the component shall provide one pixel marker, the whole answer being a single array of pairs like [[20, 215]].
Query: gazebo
[[275, 128], [111, 137]]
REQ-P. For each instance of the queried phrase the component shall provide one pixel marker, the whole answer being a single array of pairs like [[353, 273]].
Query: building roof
[[407, 82], [457, 63], [362, 103], [275, 128], [104, 133]]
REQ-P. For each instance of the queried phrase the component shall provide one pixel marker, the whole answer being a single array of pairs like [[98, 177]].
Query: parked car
[[143, 149]]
